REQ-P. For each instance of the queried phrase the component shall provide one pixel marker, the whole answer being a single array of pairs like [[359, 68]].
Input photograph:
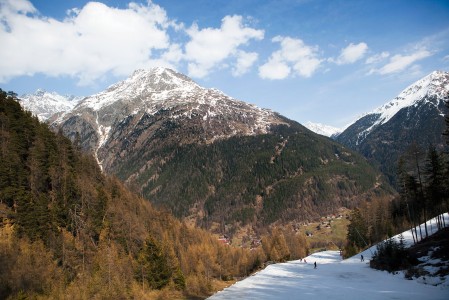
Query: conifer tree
[[357, 230], [434, 171], [154, 267]]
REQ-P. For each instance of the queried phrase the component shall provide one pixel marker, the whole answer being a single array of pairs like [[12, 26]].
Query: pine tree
[[357, 230], [154, 267], [434, 172]]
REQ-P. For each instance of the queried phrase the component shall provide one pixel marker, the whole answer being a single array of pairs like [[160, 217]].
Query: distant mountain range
[[323, 129], [212, 159], [416, 115], [45, 104]]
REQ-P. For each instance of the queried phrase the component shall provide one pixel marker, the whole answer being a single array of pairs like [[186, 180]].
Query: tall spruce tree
[[357, 230], [154, 267], [434, 172]]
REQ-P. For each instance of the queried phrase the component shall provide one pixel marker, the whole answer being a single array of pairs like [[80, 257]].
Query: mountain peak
[[159, 73], [416, 114], [40, 92], [161, 79], [45, 104], [166, 97], [438, 73], [154, 84], [433, 87], [434, 84], [322, 129]]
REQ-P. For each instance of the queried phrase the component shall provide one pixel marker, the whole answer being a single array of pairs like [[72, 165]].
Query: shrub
[[391, 256]]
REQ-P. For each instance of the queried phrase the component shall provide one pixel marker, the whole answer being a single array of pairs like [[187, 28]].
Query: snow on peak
[[157, 83], [435, 85], [158, 76], [147, 92], [322, 129], [45, 104]]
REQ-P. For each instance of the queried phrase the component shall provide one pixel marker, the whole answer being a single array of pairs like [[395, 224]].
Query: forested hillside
[[422, 176], [68, 231], [288, 174]]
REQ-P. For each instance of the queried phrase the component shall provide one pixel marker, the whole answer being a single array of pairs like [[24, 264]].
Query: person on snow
[[361, 258], [314, 265]]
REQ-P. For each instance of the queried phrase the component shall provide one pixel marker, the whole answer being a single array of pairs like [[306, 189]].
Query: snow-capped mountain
[[323, 129], [212, 158], [45, 104], [430, 90], [150, 94], [415, 115]]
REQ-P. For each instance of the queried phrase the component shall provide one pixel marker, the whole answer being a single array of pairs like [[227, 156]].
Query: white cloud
[[173, 54], [274, 69], [88, 43], [294, 57], [377, 58], [351, 54], [23, 6], [245, 60], [398, 63], [209, 48]]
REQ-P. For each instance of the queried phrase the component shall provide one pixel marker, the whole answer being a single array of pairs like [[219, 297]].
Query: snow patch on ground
[[334, 279]]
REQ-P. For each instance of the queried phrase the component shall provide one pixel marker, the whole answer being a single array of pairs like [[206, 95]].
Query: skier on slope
[[314, 265]]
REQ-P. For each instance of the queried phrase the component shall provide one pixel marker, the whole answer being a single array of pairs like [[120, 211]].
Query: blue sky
[[310, 60]]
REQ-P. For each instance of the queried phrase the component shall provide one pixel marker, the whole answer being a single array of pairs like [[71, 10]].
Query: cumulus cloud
[[398, 63], [96, 39], [293, 57], [210, 48], [351, 54], [274, 69], [88, 43]]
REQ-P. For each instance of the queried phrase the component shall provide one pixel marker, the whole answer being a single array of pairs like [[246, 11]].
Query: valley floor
[[334, 279]]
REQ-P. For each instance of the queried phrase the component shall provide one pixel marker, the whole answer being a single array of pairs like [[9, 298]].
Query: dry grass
[[329, 233]]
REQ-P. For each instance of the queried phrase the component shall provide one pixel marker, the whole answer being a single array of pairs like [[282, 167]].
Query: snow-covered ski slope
[[334, 279]]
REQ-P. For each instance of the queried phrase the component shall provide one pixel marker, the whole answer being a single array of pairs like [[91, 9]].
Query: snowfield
[[333, 279]]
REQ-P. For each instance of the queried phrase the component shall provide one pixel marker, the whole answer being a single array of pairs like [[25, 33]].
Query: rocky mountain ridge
[[148, 94], [431, 89], [416, 115]]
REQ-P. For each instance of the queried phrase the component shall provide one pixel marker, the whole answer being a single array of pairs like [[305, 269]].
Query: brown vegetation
[[68, 231]]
